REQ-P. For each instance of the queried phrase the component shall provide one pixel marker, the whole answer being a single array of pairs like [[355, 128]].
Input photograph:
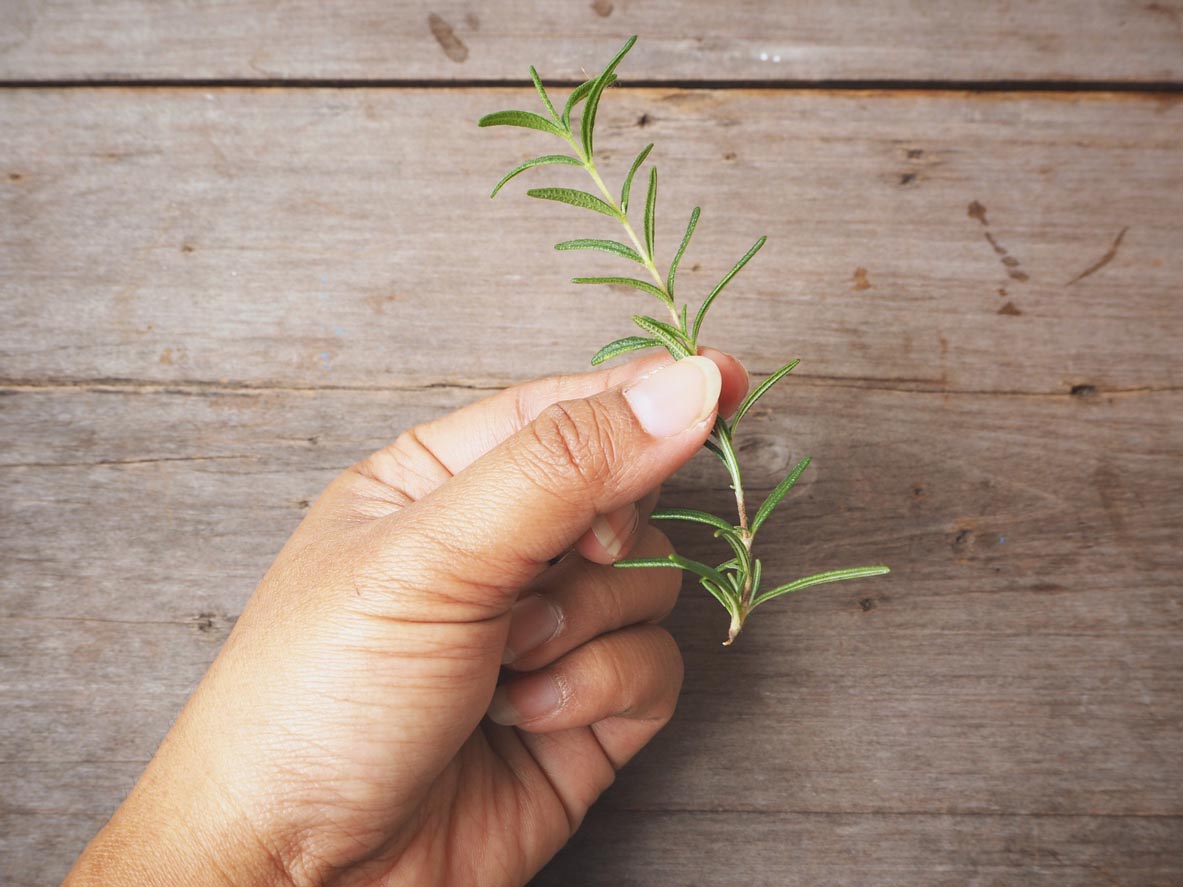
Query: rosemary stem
[[590, 165]]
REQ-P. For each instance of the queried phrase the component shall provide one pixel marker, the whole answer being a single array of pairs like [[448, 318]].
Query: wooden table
[[241, 246]]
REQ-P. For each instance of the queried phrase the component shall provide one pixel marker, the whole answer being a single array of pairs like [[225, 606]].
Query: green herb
[[735, 583]]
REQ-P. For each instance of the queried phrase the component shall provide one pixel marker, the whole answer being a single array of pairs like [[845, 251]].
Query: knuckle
[[572, 440]]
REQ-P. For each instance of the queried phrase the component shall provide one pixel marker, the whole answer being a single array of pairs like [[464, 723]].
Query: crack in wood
[[203, 388]]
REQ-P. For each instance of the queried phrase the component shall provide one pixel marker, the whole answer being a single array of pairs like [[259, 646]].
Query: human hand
[[341, 734]]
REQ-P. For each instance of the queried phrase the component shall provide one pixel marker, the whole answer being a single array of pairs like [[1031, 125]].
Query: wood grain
[[1118, 40], [318, 238], [1004, 706], [216, 299]]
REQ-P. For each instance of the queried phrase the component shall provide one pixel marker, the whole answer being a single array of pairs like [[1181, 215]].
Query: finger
[[423, 457], [462, 553], [611, 535], [580, 600], [634, 674], [735, 379]]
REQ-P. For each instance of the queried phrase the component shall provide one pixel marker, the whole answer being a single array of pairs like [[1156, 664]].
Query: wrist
[[165, 834]]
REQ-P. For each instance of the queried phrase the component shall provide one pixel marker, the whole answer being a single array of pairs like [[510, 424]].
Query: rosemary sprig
[[735, 583]]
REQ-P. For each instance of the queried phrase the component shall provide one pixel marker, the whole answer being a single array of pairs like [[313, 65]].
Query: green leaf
[[651, 211], [542, 92], [689, 514], [607, 246], [622, 346], [726, 452], [702, 312], [757, 575], [775, 497], [537, 161], [587, 125], [628, 180], [528, 119], [743, 557], [820, 579], [574, 198], [669, 284], [726, 599], [685, 329], [623, 281], [676, 560], [761, 389], [578, 94], [664, 333]]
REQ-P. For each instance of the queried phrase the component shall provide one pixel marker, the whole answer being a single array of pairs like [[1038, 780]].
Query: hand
[[341, 734]]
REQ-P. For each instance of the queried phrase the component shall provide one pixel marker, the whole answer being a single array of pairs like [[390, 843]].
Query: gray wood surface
[[1119, 40], [214, 300], [331, 238]]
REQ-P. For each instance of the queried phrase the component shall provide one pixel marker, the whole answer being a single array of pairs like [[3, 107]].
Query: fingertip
[[734, 376]]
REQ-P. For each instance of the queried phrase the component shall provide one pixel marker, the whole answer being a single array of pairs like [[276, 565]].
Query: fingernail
[[612, 530], [676, 397], [532, 622], [525, 699]]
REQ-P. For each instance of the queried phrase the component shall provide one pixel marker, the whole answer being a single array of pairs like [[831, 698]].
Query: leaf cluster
[[737, 582]]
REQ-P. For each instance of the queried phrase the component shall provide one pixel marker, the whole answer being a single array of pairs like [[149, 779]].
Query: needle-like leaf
[[669, 282], [820, 579], [626, 189], [683, 563], [761, 390], [664, 333], [774, 498], [607, 246], [542, 93], [578, 94], [528, 119], [651, 211], [702, 312], [623, 281], [537, 161], [622, 346], [574, 198], [587, 125], [690, 514], [743, 556]]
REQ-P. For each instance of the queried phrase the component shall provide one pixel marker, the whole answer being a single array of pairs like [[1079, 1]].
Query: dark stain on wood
[[1010, 309], [963, 541], [643, 120], [730, 155], [452, 45], [860, 279], [867, 604], [14, 177], [1009, 262], [602, 8], [1084, 391], [188, 248], [907, 178], [915, 153], [1103, 261], [473, 21]]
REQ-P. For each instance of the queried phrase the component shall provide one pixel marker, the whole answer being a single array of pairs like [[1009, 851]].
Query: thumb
[[494, 526]]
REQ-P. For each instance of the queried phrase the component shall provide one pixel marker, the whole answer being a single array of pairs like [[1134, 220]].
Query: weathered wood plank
[[791, 850], [459, 40], [1006, 705], [328, 238]]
